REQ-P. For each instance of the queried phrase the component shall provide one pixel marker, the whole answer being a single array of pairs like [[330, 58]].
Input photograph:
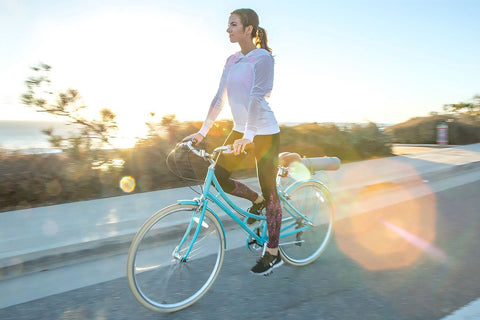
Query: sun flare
[[379, 238], [129, 131]]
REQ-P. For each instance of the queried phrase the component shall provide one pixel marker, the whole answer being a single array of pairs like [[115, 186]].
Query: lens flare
[[298, 171], [127, 184], [387, 225], [418, 242]]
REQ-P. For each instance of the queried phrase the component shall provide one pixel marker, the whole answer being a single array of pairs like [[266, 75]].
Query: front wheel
[[175, 257], [307, 224]]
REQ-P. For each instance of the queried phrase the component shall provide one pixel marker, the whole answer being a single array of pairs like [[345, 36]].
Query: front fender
[[192, 202]]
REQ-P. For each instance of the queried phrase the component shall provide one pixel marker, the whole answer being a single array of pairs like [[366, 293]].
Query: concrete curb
[[62, 256]]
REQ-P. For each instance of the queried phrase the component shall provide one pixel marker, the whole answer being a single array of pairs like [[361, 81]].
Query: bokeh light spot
[[299, 171], [127, 184], [54, 188]]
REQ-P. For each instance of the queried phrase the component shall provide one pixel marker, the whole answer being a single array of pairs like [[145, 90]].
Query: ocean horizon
[[27, 135]]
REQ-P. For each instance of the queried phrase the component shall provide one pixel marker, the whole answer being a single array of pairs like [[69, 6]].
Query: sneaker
[[256, 208], [267, 263]]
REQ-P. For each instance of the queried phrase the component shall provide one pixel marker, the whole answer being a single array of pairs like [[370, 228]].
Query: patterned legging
[[266, 155]]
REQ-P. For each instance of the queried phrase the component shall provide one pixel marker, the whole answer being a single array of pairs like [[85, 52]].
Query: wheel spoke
[[161, 275], [310, 206]]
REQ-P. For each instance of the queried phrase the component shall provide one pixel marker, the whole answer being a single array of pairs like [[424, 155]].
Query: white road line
[[469, 312]]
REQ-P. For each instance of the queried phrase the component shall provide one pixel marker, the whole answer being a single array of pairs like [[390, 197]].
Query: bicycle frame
[[229, 207]]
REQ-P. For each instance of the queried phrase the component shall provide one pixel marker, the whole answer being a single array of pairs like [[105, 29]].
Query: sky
[[384, 61]]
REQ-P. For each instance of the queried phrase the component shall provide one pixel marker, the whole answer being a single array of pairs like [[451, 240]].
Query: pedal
[[300, 224], [299, 239], [254, 247], [252, 244]]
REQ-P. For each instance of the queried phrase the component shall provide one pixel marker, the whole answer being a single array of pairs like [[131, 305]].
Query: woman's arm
[[262, 86], [217, 103]]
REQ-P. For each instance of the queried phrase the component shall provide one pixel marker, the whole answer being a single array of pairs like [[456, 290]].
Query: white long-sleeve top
[[247, 81]]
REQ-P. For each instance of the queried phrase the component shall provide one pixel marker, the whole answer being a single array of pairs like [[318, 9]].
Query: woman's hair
[[250, 18]]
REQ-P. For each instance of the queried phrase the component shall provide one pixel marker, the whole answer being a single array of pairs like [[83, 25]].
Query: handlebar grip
[[228, 149], [189, 140]]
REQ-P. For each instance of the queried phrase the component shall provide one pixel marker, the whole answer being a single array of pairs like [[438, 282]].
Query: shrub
[[39, 179], [462, 129]]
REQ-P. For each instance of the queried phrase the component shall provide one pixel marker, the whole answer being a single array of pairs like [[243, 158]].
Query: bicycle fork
[[197, 219]]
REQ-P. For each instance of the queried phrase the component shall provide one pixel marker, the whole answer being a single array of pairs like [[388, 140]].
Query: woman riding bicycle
[[247, 81]]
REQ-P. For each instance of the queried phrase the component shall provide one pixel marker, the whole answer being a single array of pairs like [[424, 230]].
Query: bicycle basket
[[186, 166]]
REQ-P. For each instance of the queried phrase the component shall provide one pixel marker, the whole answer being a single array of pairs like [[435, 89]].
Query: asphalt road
[[414, 260]]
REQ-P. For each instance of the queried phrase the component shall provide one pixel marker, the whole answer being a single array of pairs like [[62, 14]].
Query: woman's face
[[235, 29]]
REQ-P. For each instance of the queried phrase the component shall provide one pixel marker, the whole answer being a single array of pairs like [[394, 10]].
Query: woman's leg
[[224, 168], [232, 186], [266, 152]]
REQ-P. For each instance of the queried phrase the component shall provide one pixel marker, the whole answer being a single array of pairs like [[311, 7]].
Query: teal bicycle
[[178, 252]]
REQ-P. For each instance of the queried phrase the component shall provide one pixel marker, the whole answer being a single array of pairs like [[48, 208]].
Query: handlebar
[[189, 144]]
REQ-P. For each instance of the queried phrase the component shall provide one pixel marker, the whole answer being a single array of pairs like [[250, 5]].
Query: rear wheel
[[168, 267], [307, 223]]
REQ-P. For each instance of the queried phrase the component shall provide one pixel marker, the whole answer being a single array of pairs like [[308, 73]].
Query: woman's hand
[[239, 146], [198, 137]]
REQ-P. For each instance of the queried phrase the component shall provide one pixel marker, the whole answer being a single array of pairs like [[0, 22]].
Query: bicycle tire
[[157, 275], [313, 200]]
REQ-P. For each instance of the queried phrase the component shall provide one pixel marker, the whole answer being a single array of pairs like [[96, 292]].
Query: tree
[[471, 108], [94, 134]]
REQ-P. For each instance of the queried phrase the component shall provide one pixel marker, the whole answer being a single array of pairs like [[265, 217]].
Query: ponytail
[[261, 40]]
